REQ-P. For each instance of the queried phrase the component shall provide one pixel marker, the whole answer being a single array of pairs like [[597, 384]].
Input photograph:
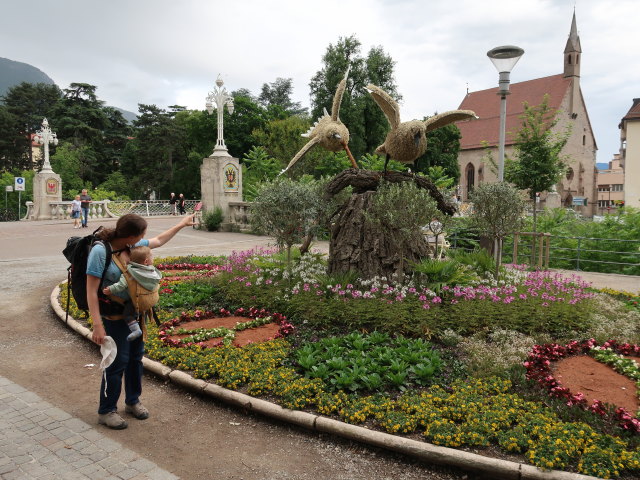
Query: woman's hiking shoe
[[136, 332], [112, 420], [138, 410]]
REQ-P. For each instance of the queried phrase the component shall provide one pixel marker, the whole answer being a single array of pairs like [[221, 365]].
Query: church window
[[569, 173], [470, 171], [584, 139], [569, 59]]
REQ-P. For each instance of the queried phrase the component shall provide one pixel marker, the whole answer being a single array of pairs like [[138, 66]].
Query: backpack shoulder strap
[[107, 260]]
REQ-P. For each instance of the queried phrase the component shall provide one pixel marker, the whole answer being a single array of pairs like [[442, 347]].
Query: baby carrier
[[143, 299]]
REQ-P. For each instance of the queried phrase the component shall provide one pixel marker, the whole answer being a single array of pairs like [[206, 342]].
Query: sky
[[168, 52]]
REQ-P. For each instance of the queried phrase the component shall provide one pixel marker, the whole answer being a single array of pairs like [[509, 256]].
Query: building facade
[[480, 137], [630, 154], [611, 183]]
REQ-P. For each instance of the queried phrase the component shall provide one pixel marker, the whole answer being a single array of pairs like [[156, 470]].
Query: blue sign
[[19, 184]]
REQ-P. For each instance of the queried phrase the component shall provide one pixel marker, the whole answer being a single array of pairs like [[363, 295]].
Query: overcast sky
[[168, 52]]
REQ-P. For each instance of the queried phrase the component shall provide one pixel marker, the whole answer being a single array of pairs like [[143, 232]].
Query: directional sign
[[19, 184]]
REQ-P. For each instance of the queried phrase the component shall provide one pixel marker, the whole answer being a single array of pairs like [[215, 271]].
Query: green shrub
[[211, 219], [435, 273], [479, 259]]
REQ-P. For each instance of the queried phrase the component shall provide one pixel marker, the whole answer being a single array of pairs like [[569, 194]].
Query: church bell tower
[[572, 61]]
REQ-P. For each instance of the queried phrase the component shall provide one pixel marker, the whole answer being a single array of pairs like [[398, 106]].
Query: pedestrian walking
[[181, 201], [76, 211], [85, 201], [172, 203]]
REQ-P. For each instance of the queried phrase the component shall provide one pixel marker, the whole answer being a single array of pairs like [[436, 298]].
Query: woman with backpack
[[107, 316]]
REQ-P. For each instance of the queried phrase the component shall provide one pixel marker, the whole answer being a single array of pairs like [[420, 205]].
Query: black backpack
[[77, 252]]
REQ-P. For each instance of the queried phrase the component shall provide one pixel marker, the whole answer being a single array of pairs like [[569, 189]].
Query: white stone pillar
[[221, 183], [47, 187]]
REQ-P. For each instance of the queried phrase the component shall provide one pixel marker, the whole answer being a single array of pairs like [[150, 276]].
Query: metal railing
[[606, 255], [147, 208]]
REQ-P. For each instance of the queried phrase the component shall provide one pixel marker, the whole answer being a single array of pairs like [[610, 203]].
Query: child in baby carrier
[[141, 279]]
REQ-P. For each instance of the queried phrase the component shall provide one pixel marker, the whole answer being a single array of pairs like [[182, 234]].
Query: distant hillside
[[128, 116], [14, 73]]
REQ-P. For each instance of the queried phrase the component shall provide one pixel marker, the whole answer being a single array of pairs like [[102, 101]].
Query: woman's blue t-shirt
[[95, 266]]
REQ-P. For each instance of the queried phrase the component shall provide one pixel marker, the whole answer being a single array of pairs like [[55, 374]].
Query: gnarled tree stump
[[357, 245]]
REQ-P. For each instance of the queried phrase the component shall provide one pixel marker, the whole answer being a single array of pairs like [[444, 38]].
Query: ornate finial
[[217, 100]]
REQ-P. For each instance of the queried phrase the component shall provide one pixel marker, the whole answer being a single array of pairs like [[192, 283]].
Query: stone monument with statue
[[47, 185], [220, 173]]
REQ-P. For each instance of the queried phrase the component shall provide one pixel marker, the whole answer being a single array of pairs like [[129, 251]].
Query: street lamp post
[[217, 100], [504, 59], [45, 137]]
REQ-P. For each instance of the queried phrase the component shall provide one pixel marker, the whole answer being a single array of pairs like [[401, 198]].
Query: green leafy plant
[[436, 274], [372, 362], [211, 219]]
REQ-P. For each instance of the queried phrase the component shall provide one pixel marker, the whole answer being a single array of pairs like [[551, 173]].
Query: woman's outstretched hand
[[188, 221]]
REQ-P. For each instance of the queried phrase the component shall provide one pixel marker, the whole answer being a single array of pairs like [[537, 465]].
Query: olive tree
[[287, 210], [498, 210], [399, 211]]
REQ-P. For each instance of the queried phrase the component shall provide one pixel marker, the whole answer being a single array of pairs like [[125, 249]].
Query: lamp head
[[230, 106], [504, 58], [209, 108]]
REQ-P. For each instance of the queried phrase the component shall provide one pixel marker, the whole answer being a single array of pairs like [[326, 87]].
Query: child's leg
[[130, 317]]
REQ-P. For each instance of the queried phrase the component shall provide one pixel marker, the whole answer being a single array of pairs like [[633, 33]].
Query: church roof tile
[[486, 105]]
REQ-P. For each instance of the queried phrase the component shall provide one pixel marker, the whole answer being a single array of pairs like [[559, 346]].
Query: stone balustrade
[[62, 210], [238, 211], [239, 215]]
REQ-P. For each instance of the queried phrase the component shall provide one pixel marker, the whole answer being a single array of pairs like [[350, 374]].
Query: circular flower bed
[[198, 329], [539, 364]]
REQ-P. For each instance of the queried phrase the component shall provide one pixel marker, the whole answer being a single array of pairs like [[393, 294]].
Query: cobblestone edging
[[492, 467]]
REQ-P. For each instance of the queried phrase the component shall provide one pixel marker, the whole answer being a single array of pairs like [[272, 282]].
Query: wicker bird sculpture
[[407, 141], [328, 132]]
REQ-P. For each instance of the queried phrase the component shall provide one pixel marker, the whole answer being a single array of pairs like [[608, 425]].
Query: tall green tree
[[538, 164], [81, 119], [443, 145], [366, 122], [278, 94], [247, 116], [68, 162], [158, 146], [26, 105]]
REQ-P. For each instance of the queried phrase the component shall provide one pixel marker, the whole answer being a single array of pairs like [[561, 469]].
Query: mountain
[[14, 73]]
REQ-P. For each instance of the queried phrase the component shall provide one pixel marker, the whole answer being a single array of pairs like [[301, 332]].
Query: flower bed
[[173, 336], [539, 364]]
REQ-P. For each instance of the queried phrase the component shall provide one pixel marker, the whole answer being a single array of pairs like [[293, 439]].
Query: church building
[[577, 187]]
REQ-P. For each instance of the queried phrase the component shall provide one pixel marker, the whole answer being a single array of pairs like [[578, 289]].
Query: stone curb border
[[493, 467]]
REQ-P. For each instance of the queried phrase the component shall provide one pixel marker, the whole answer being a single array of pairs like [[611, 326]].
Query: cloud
[[165, 52]]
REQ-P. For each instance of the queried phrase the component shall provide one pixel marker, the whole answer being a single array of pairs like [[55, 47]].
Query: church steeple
[[572, 51]]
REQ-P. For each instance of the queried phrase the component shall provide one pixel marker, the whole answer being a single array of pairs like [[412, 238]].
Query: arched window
[[470, 174], [569, 173], [569, 58]]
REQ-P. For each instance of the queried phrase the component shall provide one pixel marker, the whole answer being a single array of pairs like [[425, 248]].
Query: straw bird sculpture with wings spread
[[407, 141], [328, 132]]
